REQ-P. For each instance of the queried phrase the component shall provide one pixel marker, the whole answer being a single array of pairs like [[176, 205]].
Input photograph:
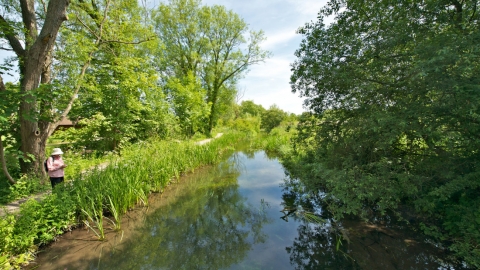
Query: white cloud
[[307, 8], [269, 83], [279, 39]]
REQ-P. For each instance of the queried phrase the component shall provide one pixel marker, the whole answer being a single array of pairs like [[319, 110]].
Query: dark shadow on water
[[355, 244]]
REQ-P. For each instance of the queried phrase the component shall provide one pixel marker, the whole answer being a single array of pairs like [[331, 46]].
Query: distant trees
[[272, 118], [188, 102], [211, 44], [394, 90], [249, 107]]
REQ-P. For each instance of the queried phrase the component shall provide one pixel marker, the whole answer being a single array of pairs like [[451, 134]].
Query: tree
[[119, 84], [33, 47], [394, 89], [210, 42], [272, 118], [5, 111], [188, 102], [249, 107], [101, 35]]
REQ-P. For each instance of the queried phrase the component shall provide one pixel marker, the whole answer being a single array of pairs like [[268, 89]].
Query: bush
[[272, 118], [38, 223], [249, 125], [24, 187]]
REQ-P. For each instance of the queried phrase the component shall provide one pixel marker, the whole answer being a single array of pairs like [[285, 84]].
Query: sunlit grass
[[142, 169]]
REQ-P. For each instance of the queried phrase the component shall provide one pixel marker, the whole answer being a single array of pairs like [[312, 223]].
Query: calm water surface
[[240, 215]]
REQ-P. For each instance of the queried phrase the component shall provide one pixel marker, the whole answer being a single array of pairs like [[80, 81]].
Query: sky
[[268, 83]]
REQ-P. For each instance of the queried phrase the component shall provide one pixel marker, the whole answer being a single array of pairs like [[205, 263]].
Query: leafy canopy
[[394, 91]]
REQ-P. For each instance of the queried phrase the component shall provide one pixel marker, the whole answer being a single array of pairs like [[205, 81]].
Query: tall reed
[[94, 218], [143, 168]]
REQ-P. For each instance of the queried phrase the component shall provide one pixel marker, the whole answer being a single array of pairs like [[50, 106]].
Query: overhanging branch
[[9, 33]]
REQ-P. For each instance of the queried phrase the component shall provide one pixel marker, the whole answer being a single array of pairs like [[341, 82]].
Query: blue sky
[[268, 83]]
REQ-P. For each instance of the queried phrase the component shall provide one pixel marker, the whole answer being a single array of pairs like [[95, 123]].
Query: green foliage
[[38, 223], [188, 102], [89, 136], [248, 124], [119, 100], [9, 102], [272, 118], [24, 187], [8, 243], [210, 43], [277, 142], [394, 97], [249, 107]]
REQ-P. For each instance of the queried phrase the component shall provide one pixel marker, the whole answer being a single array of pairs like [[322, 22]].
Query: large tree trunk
[[32, 135], [213, 99]]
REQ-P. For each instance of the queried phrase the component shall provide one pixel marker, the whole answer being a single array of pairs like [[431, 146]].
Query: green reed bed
[[100, 197], [278, 141], [144, 168]]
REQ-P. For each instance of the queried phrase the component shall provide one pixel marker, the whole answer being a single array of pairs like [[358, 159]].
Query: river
[[241, 214]]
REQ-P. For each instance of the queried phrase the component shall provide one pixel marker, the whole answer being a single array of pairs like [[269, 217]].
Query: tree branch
[[82, 75], [9, 33], [29, 21], [86, 26], [128, 42]]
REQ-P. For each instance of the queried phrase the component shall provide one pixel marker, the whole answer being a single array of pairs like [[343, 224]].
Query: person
[[55, 167]]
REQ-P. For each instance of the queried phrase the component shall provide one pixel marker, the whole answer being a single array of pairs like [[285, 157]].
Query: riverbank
[[14, 207], [144, 168]]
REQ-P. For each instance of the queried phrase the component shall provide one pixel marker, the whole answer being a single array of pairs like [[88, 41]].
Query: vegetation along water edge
[[100, 198], [391, 122]]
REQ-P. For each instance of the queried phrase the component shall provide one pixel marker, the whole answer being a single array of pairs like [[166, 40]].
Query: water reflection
[[354, 244], [239, 215], [208, 227]]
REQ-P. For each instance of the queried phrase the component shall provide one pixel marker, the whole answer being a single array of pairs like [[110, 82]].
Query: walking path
[[14, 206]]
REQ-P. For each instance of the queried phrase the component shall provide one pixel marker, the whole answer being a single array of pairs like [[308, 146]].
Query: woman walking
[[55, 167]]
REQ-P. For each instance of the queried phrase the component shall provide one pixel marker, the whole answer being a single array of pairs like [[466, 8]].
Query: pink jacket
[[55, 167]]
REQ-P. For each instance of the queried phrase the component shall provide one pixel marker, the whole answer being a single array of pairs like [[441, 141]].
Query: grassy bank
[[27, 185], [100, 198]]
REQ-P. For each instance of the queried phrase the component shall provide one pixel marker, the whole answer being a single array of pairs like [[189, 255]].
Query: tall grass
[[278, 141], [142, 169], [99, 198]]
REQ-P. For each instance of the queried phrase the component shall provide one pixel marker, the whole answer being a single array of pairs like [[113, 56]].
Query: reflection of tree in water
[[205, 228], [315, 246], [354, 244]]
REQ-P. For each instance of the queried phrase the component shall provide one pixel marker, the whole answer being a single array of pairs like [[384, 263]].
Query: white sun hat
[[57, 151]]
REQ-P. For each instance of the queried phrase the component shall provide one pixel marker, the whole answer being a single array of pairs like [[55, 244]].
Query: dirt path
[[202, 142], [14, 206]]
